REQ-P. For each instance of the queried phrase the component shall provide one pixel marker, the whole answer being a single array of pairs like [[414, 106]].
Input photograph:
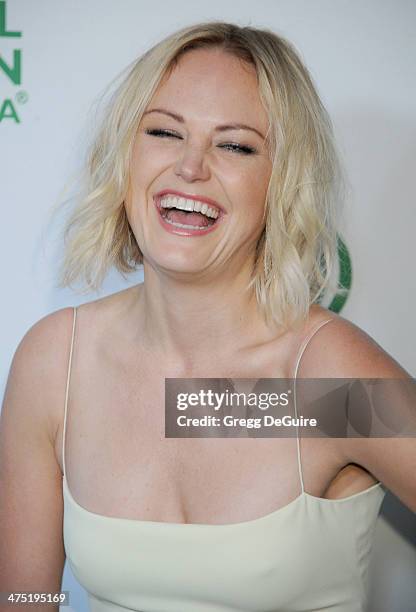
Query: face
[[192, 144]]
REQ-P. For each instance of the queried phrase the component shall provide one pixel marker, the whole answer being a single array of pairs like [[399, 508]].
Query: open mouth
[[183, 214]]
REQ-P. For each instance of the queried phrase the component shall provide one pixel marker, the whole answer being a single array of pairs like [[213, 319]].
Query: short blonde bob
[[297, 251]]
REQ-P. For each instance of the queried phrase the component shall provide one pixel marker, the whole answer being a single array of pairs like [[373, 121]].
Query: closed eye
[[244, 149], [231, 146], [163, 133]]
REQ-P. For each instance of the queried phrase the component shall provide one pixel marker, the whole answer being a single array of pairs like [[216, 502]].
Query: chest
[[119, 462]]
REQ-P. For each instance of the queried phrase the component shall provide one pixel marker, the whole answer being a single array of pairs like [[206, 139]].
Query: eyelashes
[[230, 146], [244, 149]]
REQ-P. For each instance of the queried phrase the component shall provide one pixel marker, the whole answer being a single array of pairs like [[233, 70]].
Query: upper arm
[[32, 554], [340, 349]]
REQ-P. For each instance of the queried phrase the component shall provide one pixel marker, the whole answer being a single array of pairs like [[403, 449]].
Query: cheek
[[250, 191], [144, 170], [147, 162], [150, 155]]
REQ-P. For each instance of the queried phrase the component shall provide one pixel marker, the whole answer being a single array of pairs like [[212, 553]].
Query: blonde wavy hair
[[297, 251]]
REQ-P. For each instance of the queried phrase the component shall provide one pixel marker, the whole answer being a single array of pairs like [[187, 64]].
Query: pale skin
[[190, 318]]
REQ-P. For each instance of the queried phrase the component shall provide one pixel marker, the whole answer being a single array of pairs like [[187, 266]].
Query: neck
[[193, 322]]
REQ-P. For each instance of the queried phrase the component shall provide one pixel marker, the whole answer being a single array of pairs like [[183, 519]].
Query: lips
[[183, 229], [190, 196]]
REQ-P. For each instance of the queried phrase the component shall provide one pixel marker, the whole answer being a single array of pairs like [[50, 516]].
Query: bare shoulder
[[341, 349], [38, 367], [31, 507]]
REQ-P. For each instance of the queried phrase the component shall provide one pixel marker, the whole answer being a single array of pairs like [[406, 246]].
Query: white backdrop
[[361, 55]]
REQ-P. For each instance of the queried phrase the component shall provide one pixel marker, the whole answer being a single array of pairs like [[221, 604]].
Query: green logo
[[344, 280], [10, 69], [344, 277]]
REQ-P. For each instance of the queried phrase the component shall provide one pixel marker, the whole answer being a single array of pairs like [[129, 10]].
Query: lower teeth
[[182, 225]]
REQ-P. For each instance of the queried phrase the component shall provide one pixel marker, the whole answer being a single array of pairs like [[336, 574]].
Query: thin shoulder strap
[[301, 351], [68, 378]]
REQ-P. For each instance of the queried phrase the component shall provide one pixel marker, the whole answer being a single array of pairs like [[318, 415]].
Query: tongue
[[188, 218]]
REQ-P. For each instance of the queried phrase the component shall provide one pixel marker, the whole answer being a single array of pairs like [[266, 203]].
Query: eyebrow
[[219, 128]]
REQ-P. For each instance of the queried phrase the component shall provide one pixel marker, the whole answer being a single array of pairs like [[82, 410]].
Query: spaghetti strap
[[67, 389], [301, 351]]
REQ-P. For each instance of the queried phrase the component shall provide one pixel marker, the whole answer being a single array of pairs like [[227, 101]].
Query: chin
[[177, 263]]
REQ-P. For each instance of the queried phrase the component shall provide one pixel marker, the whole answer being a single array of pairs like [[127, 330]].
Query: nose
[[192, 164]]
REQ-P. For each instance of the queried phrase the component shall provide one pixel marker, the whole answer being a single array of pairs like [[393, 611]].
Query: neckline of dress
[[265, 517]]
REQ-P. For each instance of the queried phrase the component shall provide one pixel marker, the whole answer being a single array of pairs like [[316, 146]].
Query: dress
[[309, 555]]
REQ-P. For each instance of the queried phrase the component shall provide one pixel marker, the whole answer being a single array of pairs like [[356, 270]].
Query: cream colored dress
[[309, 555]]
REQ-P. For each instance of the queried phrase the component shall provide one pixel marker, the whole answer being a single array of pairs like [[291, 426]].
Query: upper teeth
[[190, 205]]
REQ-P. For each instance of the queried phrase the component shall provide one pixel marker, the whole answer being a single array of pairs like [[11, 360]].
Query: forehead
[[214, 84]]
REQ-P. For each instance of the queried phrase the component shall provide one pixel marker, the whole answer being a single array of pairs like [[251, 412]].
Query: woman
[[215, 168]]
